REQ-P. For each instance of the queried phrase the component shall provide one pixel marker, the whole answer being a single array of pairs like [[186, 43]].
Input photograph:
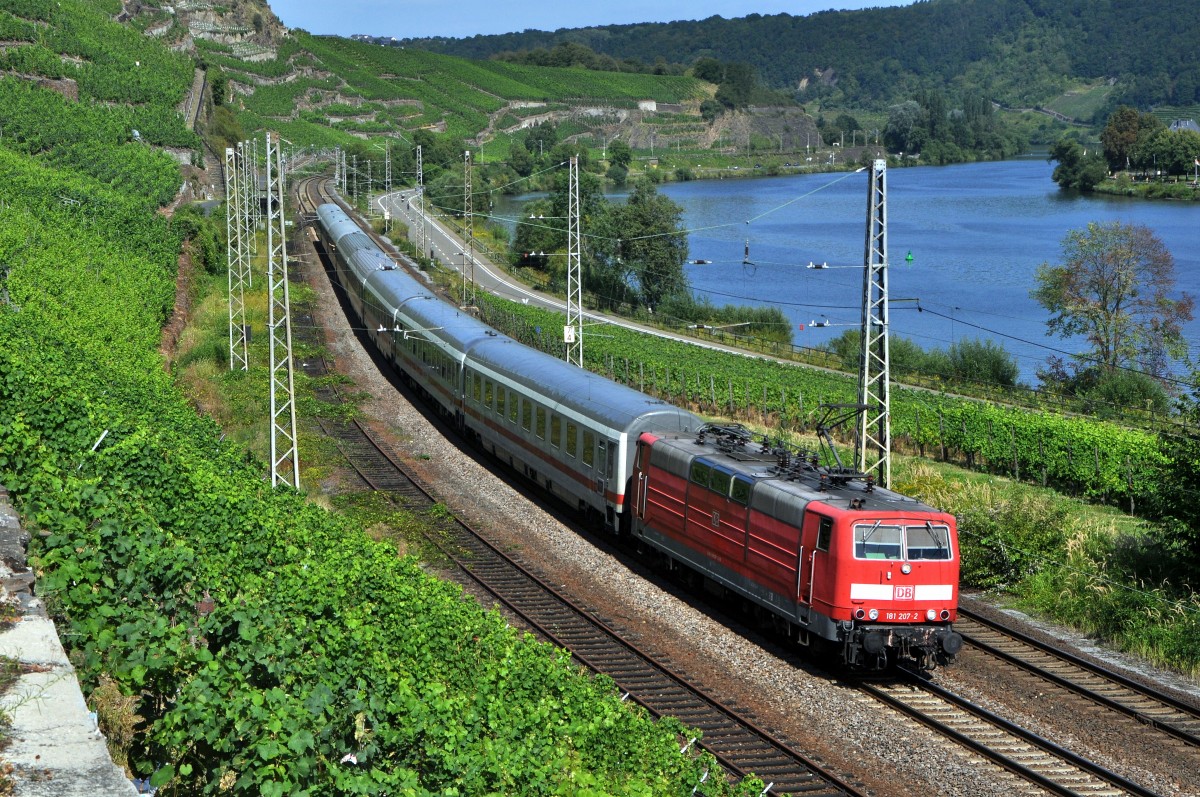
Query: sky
[[461, 18]]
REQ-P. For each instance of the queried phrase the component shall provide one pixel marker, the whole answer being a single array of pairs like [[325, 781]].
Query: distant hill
[[1018, 53]]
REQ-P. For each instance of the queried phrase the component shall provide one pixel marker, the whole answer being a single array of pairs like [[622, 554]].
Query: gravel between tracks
[[851, 734]]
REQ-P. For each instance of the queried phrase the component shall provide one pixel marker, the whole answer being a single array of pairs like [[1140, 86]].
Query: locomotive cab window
[[927, 542], [741, 490], [719, 481], [824, 533], [877, 541]]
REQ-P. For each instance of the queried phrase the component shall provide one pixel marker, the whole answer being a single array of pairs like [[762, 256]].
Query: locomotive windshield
[[890, 542], [928, 542]]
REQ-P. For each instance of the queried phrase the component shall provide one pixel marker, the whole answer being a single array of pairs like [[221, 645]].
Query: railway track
[[738, 744], [1026, 755], [735, 740], [1096, 683]]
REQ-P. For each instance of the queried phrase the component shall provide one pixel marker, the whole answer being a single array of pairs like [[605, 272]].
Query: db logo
[[903, 593]]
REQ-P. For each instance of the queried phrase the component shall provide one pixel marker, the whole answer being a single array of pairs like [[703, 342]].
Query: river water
[[976, 232]]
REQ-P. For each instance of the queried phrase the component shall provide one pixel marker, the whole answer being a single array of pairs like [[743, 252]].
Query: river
[[977, 234]]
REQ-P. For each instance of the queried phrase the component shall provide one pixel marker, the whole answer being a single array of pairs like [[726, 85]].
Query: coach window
[[477, 390], [741, 491], [718, 482], [589, 449], [526, 415], [572, 440], [824, 534], [500, 391], [700, 473], [541, 423], [487, 393], [556, 431], [877, 541], [512, 407]]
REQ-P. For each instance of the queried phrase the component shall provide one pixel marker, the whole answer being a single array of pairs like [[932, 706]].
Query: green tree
[[1172, 152], [520, 159], [620, 154], [711, 109], [1077, 168], [541, 139], [905, 128], [1114, 287], [652, 243], [978, 361], [1125, 130]]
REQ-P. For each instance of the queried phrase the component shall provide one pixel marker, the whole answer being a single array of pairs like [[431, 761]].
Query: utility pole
[[238, 259], [874, 385], [573, 331], [387, 167], [468, 261], [285, 460], [354, 187], [420, 198], [249, 195]]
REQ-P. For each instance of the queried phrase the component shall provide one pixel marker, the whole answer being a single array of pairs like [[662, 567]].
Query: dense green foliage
[[948, 132], [1015, 52], [980, 361], [1174, 503]]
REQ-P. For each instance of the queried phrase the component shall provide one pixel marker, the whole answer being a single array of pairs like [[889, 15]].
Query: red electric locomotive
[[838, 562]]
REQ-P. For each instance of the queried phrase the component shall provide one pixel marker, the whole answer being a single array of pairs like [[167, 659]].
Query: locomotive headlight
[[873, 614], [931, 614], [906, 568]]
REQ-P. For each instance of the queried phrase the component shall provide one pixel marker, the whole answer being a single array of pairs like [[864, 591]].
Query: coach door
[[814, 548], [600, 470]]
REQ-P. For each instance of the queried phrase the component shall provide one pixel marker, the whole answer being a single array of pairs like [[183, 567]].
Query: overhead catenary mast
[[239, 262], [468, 260], [420, 199], [285, 459], [573, 331], [874, 452]]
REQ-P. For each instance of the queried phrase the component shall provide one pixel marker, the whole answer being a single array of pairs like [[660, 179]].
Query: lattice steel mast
[[468, 260], [420, 199], [285, 460], [238, 262], [573, 331], [874, 453], [387, 167]]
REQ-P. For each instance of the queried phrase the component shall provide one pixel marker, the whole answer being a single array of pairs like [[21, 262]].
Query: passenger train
[[837, 562]]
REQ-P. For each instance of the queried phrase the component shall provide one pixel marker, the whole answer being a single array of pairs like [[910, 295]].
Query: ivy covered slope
[[262, 639]]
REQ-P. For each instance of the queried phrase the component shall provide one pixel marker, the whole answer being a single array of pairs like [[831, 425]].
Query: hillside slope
[[1019, 53]]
